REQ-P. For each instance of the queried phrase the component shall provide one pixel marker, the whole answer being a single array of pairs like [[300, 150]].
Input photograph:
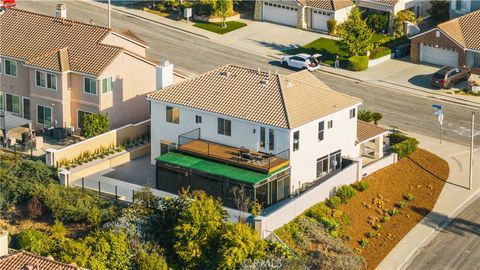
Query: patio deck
[[231, 156]]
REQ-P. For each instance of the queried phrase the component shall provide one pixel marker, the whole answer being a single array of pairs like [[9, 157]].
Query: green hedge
[[380, 52], [357, 63], [397, 137], [405, 148]]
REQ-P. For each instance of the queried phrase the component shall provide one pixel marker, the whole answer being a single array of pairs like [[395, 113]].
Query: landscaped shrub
[[397, 137], [393, 212], [334, 202], [364, 242], [377, 226], [385, 219], [371, 234], [357, 63], [331, 225], [409, 197], [401, 205], [345, 193], [34, 208], [331, 26], [33, 241], [405, 148], [318, 211], [360, 185], [380, 52]]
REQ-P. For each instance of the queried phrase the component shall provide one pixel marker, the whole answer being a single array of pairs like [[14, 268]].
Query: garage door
[[438, 56], [319, 19], [278, 13]]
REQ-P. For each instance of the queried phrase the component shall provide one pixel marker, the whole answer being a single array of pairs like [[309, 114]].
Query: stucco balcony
[[191, 143]]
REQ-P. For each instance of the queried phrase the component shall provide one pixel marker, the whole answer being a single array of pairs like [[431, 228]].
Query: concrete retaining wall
[[380, 60], [114, 137]]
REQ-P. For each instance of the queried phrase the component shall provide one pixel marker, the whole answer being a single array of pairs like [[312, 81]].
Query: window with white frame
[[352, 113], [296, 140], [107, 85], [80, 116], [45, 80], [2, 101], [173, 115], [224, 127], [10, 67], [44, 115], [26, 108], [90, 85], [321, 130], [13, 103]]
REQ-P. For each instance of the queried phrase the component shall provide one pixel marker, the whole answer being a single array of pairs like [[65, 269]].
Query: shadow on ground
[[276, 46], [458, 226]]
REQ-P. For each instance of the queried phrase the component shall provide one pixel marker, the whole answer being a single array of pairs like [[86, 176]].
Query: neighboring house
[[271, 134], [392, 7], [54, 70], [461, 7], [303, 14], [452, 43]]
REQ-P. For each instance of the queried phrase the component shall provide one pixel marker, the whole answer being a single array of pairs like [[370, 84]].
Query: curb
[[161, 23], [440, 227]]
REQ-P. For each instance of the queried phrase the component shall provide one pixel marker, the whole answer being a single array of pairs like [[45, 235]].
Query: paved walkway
[[453, 196]]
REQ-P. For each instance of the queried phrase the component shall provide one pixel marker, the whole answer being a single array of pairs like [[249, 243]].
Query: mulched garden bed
[[423, 175]]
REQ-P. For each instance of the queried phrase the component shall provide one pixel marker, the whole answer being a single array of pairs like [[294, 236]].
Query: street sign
[[437, 106], [439, 114]]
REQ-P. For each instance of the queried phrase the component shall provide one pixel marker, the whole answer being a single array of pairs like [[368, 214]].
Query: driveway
[[456, 247]]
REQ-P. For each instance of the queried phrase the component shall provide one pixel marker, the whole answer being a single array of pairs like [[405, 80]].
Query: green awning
[[216, 168]]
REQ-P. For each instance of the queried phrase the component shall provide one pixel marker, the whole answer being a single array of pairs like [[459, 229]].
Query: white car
[[301, 61]]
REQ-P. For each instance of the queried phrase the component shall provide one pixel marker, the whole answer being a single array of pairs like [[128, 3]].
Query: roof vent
[[225, 74], [264, 82], [289, 84], [28, 267], [92, 22], [61, 11]]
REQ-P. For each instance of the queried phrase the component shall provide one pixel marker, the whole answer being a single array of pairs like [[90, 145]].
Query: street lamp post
[[109, 16], [472, 140]]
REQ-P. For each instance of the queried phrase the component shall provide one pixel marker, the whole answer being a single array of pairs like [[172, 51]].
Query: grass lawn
[[328, 48], [217, 27], [422, 174]]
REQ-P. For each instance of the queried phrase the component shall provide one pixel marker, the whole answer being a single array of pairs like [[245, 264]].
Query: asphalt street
[[196, 55], [456, 247]]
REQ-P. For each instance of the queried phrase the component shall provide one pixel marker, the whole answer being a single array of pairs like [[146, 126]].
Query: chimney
[[61, 11], [164, 74], [3, 243]]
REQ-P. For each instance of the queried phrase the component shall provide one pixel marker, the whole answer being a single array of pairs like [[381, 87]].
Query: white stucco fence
[[291, 208], [380, 60], [377, 165], [285, 211]]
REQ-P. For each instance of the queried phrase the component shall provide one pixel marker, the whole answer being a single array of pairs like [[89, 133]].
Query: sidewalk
[[407, 77], [261, 38], [450, 202]]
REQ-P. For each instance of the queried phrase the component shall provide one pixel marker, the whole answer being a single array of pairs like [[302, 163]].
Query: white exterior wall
[[341, 137], [242, 131], [341, 15]]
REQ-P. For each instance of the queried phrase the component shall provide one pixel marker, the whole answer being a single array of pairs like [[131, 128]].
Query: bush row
[[357, 63], [402, 145]]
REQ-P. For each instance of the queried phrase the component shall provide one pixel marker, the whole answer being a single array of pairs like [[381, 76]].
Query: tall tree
[[400, 18], [355, 33], [439, 10], [223, 8]]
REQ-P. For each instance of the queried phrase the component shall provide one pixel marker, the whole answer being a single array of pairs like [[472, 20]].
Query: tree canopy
[[94, 124], [355, 33], [439, 10]]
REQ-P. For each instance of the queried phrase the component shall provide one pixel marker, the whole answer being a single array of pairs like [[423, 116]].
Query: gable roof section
[[367, 131], [329, 4], [271, 99], [464, 30], [385, 2], [55, 43], [18, 260]]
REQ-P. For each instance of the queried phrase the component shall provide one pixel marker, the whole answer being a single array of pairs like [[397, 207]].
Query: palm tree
[[376, 116], [365, 115]]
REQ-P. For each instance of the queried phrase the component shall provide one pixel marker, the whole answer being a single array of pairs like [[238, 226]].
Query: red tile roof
[[20, 259]]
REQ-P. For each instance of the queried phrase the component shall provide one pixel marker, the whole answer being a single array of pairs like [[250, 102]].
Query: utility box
[[187, 13]]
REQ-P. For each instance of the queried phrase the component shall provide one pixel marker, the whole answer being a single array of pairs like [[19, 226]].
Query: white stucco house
[[274, 135], [303, 14]]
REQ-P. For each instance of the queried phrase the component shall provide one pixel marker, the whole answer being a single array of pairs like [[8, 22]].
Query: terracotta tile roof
[[18, 260], [329, 4], [270, 99], [129, 34], [367, 131], [55, 43], [385, 2], [464, 30]]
